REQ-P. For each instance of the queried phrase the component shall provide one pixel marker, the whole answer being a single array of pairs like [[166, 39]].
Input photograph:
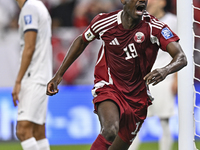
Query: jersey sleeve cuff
[[84, 39], [164, 47], [35, 30]]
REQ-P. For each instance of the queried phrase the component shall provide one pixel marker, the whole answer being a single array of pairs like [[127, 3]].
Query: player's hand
[[15, 93], [155, 76], [52, 86]]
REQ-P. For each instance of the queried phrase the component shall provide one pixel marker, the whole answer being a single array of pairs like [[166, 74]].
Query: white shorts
[[164, 101], [33, 103]]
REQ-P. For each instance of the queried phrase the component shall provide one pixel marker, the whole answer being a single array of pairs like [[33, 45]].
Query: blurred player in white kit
[[164, 92], [29, 92]]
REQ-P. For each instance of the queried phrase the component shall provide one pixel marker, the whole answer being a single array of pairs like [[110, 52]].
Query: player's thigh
[[119, 144], [24, 126], [24, 130], [39, 131], [108, 113]]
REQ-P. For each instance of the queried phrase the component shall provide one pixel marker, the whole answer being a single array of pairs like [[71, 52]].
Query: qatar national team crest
[[139, 37]]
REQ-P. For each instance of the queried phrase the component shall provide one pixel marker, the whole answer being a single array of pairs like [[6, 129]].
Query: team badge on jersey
[[139, 37], [28, 19], [167, 34]]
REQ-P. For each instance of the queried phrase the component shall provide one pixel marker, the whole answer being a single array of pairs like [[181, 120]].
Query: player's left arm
[[178, 62], [29, 48]]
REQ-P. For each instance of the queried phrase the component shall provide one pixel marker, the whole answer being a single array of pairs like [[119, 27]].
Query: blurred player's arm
[[179, 61], [29, 48], [77, 47]]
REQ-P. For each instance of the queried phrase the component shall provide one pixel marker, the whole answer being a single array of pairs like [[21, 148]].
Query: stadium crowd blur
[[69, 19]]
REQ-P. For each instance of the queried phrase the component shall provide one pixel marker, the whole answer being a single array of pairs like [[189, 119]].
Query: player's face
[[135, 8]]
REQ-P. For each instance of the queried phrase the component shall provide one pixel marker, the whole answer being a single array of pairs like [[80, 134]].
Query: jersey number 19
[[130, 51]]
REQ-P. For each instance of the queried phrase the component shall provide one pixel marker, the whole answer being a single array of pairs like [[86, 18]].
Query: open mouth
[[140, 9]]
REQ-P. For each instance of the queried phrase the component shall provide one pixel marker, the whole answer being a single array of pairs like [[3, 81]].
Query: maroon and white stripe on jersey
[[103, 23]]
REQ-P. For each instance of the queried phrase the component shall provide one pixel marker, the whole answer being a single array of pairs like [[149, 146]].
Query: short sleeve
[[89, 34], [30, 18], [167, 36]]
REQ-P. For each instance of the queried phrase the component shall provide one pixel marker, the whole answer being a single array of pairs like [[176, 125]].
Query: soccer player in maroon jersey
[[131, 39]]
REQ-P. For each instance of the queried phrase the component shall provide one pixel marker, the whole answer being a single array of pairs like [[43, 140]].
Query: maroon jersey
[[126, 56]]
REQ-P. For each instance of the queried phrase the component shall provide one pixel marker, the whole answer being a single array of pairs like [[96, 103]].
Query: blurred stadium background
[[70, 120]]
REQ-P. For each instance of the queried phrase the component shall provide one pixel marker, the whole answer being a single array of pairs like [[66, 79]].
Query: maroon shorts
[[132, 111]]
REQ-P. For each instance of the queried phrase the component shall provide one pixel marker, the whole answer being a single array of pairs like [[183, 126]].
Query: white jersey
[[35, 17], [163, 104]]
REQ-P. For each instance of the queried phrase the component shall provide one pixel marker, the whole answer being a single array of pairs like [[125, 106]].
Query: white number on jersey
[[130, 51], [136, 131]]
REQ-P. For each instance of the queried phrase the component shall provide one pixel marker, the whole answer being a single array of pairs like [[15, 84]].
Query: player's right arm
[[75, 50]]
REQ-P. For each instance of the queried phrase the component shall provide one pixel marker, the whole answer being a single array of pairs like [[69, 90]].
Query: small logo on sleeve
[[89, 35], [167, 34], [28, 19]]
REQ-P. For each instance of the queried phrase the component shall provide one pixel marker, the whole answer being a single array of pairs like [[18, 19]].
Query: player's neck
[[21, 3], [128, 22]]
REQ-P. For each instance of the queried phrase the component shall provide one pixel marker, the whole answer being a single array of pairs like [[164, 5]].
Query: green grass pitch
[[143, 146], [16, 146]]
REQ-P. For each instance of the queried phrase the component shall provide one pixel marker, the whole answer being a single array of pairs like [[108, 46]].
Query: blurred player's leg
[[25, 135], [29, 132], [24, 130], [39, 134], [43, 144], [135, 144], [30, 144], [166, 141], [32, 115]]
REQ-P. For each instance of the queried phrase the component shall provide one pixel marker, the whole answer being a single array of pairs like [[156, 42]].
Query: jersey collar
[[119, 20]]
